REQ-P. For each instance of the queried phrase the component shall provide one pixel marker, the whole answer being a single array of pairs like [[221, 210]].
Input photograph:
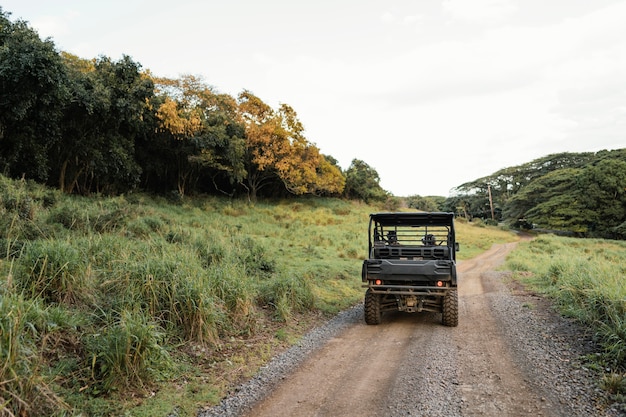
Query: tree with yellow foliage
[[200, 133], [276, 149]]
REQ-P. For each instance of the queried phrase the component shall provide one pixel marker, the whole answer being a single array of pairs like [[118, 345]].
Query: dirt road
[[412, 365]]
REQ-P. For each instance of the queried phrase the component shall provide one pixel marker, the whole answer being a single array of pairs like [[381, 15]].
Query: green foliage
[[103, 126], [126, 353], [23, 389], [420, 203], [21, 203], [603, 196], [253, 256], [171, 288], [580, 194], [615, 384], [230, 283], [33, 84], [288, 294], [54, 271], [363, 183]]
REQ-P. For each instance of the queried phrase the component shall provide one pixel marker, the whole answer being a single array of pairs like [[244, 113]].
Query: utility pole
[[493, 217]]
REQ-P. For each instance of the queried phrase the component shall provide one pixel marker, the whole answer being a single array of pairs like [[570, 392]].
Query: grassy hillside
[[138, 302]]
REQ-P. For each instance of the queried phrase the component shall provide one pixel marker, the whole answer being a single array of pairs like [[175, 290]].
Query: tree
[[33, 94], [200, 138], [88, 100], [278, 151], [101, 125], [302, 168], [588, 197], [363, 182], [552, 201], [222, 143], [507, 182], [330, 179], [602, 193], [422, 203]]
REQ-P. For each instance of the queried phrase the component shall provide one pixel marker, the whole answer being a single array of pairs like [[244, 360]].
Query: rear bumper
[[401, 272]]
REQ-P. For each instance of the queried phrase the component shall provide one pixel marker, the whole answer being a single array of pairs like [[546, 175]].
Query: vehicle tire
[[372, 311], [450, 314]]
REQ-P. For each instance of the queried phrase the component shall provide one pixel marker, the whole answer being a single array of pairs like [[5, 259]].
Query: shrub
[[229, 283], [23, 390], [172, 289], [198, 315], [70, 216], [210, 251], [612, 335], [253, 256], [126, 352], [286, 294], [53, 270]]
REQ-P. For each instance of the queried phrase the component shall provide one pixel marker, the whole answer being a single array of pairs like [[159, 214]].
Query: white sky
[[430, 93]]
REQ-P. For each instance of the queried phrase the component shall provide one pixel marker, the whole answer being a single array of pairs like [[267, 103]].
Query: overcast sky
[[430, 93]]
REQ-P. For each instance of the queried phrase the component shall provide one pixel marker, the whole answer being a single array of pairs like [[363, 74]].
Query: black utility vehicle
[[411, 265]]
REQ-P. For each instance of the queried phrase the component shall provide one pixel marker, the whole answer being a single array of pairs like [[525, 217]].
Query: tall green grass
[[586, 280], [25, 325], [128, 352]]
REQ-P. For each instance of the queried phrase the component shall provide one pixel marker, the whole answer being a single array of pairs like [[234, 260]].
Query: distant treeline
[[580, 194], [102, 126]]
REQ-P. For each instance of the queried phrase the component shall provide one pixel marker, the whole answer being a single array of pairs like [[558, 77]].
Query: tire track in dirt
[[491, 382], [342, 378]]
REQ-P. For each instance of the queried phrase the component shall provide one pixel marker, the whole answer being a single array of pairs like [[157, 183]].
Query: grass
[[136, 304], [585, 278], [476, 237]]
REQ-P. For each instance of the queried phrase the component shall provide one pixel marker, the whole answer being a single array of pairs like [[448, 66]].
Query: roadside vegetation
[[109, 304], [585, 278]]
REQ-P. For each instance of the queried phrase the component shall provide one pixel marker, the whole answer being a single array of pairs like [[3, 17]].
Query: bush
[[172, 289], [55, 271], [230, 284], [126, 352], [253, 256], [23, 391], [286, 294]]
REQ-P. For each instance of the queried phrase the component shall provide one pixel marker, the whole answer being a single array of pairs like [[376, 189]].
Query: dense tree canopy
[[98, 125], [363, 182], [198, 142], [581, 193], [101, 123], [33, 94], [431, 203], [277, 149]]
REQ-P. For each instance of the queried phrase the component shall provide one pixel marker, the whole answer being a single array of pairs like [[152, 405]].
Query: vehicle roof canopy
[[413, 219]]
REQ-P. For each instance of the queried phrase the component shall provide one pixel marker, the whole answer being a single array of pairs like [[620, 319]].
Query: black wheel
[[372, 311], [450, 316]]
